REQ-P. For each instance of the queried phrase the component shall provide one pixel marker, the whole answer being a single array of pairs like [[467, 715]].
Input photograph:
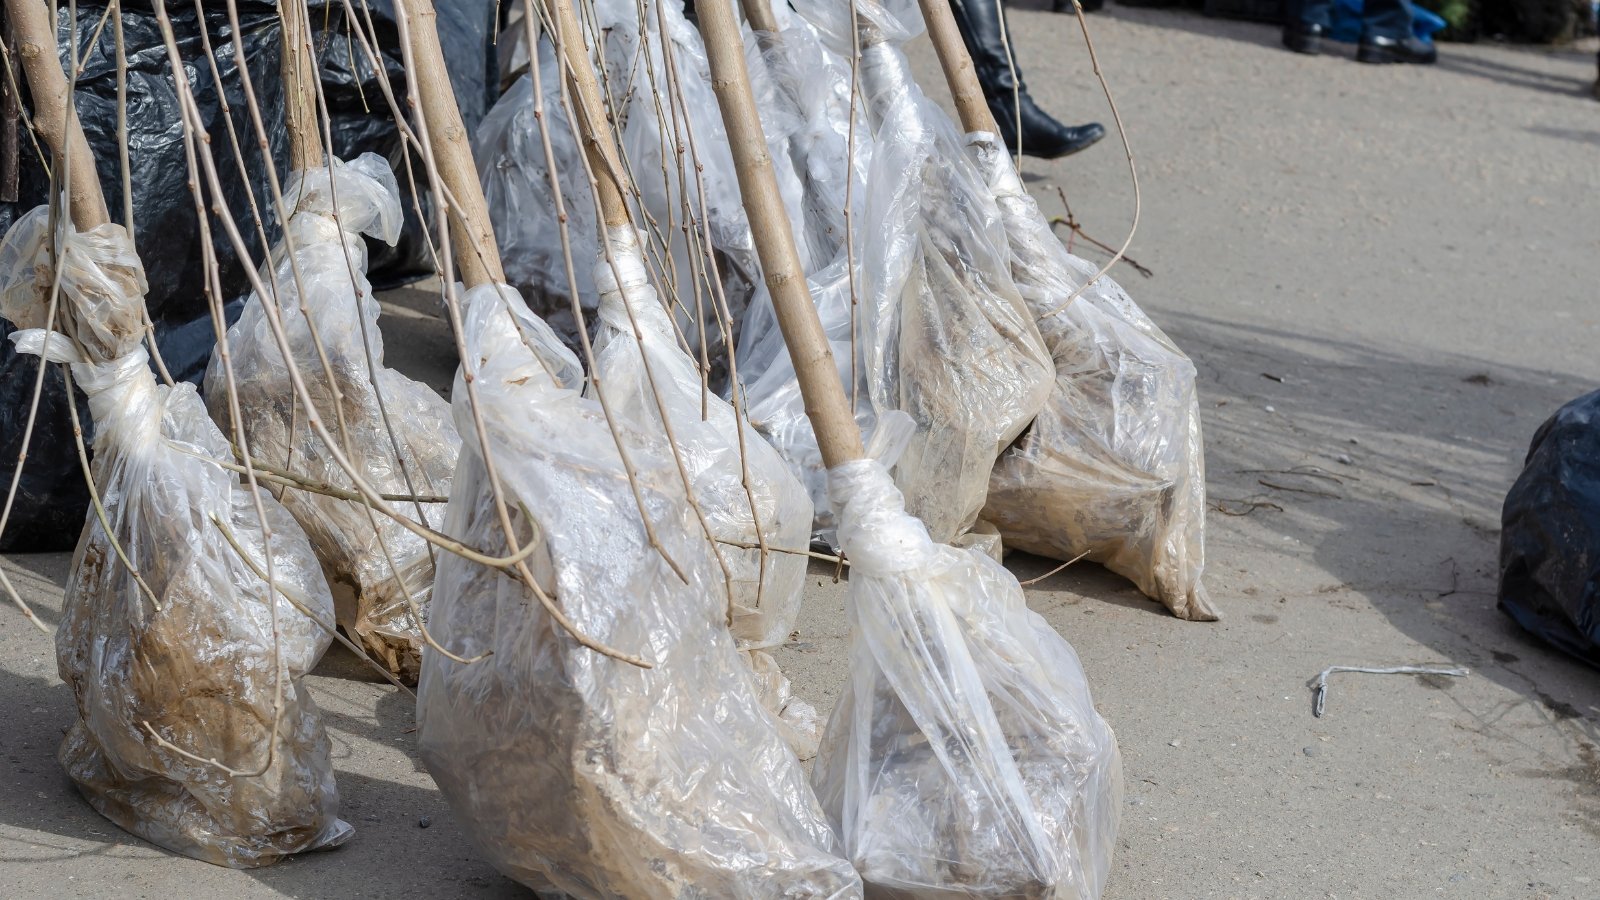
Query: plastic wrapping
[[809, 107], [663, 72], [1550, 533], [396, 430], [677, 153], [765, 588], [1113, 467], [512, 168], [947, 338], [52, 500], [569, 769], [965, 757], [942, 332], [198, 660]]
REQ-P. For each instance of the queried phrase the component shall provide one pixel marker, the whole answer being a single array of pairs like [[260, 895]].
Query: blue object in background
[[1347, 22]]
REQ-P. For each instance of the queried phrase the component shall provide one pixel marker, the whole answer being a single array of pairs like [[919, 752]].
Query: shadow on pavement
[[1392, 470]]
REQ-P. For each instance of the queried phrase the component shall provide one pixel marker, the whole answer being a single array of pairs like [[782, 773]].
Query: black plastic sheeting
[[52, 499], [1550, 533]]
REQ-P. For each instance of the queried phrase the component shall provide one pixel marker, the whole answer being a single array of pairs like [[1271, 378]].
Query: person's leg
[[1386, 35], [1305, 22], [982, 25]]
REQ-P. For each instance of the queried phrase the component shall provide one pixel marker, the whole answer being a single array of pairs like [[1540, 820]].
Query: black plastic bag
[[52, 499], [1550, 533]]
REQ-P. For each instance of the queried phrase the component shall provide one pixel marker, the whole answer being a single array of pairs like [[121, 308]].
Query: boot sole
[[1379, 56], [1064, 153], [1304, 46]]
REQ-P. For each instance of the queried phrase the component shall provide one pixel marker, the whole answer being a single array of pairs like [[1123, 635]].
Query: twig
[[750, 545], [1071, 221], [1127, 149], [1250, 506], [1032, 581], [1299, 490], [1320, 684], [269, 472], [1305, 471], [330, 627]]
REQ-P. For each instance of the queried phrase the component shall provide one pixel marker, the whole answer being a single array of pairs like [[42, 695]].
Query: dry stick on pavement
[[1127, 150], [1076, 229]]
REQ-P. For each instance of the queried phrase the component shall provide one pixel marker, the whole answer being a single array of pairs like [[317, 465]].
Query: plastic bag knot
[[361, 194], [995, 165], [102, 285], [875, 531], [624, 286], [122, 392]]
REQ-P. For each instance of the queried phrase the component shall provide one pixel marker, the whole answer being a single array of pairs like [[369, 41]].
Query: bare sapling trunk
[[838, 436]]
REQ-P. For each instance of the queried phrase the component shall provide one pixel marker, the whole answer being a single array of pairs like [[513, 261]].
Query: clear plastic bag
[[943, 333], [200, 658], [719, 462], [572, 770], [404, 445], [662, 69], [947, 337], [809, 105], [1113, 467], [509, 149], [965, 757], [664, 135]]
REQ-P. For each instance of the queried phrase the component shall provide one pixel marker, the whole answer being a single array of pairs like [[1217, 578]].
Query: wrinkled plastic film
[[1113, 466], [201, 664], [97, 268], [570, 770], [509, 149], [810, 106], [765, 588], [948, 339], [644, 50], [664, 62], [373, 563], [965, 757]]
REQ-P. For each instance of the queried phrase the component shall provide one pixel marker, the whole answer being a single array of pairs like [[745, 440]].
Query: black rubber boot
[[1303, 38], [1042, 136], [1409, 49]]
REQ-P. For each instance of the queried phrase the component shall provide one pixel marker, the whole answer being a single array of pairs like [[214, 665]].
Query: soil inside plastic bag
[[743, 489], [170, 635], [965, 757], [1113, 466], [569, 769], [397, 431]]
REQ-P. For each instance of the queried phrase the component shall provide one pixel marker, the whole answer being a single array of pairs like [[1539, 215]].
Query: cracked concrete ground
[[1387, 277]]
